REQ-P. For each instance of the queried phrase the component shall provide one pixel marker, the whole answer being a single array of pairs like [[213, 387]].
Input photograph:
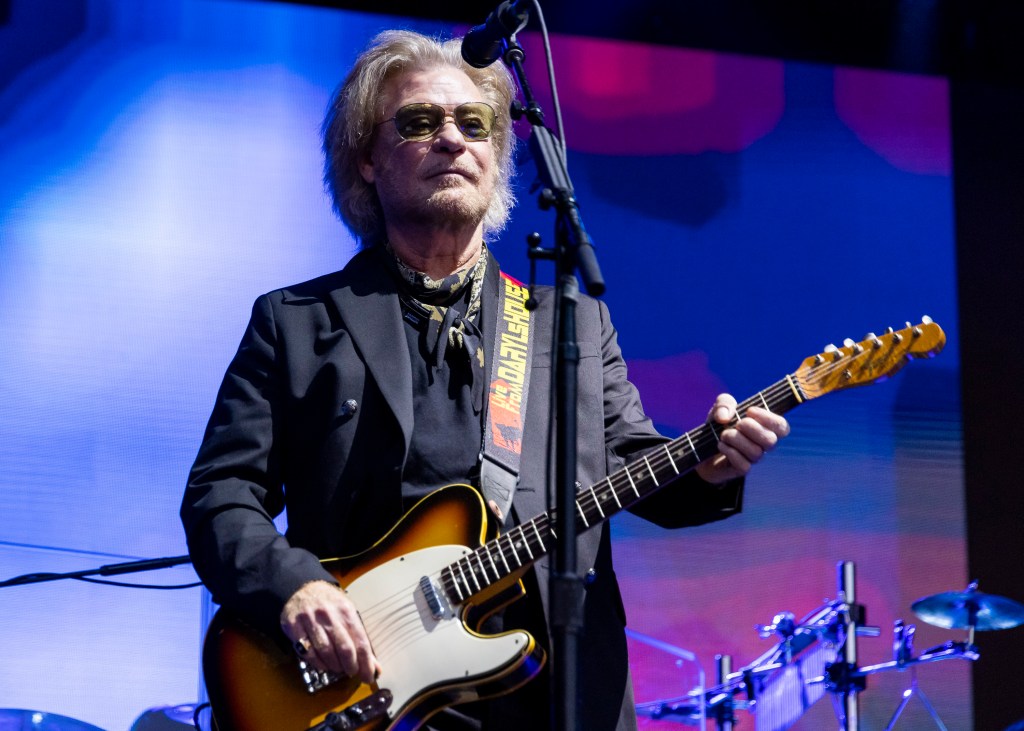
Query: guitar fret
[[469, 589], [483, 568], [479, 576], [470, 573], [615, 494], [692, 448], [501, 555], [597, 503], [582, 515], [539, 539], [451, 582], [630, 477], [763, 400], [671, 461], [525, 543], [497, 574], [513, 547], [651, 470]]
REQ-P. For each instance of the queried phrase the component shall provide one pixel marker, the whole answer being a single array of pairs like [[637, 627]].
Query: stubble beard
[[451, 206]]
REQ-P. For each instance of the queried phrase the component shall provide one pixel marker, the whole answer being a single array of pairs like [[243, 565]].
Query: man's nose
[[449, 136]]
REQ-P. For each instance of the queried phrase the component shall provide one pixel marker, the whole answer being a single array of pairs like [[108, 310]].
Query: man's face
[[444, 181]]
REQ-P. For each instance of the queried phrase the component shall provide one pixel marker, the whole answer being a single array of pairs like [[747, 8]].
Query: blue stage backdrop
[[161, 169]]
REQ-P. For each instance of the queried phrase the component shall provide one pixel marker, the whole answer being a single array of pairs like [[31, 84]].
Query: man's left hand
[[743, 443]]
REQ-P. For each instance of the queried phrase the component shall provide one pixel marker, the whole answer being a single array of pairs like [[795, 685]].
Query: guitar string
[[661, 460], [658, 461], [821, 374]]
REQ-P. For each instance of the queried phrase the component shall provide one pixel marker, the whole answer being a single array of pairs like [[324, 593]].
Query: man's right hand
[[321, 618]]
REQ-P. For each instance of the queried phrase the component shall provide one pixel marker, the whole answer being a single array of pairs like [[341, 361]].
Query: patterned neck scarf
[[446, 326]]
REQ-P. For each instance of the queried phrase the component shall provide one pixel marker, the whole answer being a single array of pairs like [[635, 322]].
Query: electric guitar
[[417, 588]]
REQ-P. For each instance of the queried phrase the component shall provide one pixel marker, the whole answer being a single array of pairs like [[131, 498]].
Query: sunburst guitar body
[[430, 656]]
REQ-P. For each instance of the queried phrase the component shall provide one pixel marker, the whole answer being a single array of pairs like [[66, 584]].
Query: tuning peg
[[875, 342], [917, 330], [831, 348], [850, 343]]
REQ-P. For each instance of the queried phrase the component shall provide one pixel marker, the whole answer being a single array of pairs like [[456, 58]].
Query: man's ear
[[366, 167]]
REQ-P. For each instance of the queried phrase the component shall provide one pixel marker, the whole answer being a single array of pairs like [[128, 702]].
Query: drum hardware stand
[[724, 713], [903, 652], [915, 690], [842, 676]]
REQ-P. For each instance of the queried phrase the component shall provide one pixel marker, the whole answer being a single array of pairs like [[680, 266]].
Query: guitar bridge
[[314, 679]]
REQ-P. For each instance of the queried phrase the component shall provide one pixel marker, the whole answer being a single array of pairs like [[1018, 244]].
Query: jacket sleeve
[[235, 490], [629, 433]]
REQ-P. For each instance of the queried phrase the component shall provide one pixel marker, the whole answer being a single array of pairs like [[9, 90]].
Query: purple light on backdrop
[[902, 117], [623, 98]]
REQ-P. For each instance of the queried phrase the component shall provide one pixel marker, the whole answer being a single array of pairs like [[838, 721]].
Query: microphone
[[484, 44]]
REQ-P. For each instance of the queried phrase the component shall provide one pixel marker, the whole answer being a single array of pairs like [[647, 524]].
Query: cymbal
[[970, 608]]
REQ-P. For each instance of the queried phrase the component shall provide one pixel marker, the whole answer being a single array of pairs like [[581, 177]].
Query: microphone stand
[[573, 251]]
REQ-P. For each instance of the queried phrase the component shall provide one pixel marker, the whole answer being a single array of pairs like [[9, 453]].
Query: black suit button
[[349, 407]]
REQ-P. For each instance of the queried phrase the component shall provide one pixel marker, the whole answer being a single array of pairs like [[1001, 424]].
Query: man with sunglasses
[[355, 395]]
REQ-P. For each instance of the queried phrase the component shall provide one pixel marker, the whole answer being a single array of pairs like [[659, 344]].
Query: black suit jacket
[[281, 436]]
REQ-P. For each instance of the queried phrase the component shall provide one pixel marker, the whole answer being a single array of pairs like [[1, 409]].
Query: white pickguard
[[415, 650]]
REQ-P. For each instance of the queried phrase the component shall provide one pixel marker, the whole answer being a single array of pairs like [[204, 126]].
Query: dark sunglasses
[[417, 122]]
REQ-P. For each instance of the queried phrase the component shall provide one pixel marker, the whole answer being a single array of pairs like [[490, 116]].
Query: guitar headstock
[[871, 360]]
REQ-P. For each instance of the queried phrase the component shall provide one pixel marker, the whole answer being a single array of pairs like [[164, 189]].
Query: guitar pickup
[[435, 603]]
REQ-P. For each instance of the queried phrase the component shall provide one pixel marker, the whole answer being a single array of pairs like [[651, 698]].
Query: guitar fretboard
[[526, 543]]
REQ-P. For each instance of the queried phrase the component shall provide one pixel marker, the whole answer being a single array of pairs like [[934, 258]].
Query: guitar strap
[[506, 397]]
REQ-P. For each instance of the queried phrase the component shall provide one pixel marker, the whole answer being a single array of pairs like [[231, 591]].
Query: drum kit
[[818, 655]]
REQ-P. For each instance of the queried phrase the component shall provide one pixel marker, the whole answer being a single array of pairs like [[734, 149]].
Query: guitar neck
[[530, 541]]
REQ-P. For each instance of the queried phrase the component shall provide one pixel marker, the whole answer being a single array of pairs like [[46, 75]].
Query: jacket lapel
[[368, 305]]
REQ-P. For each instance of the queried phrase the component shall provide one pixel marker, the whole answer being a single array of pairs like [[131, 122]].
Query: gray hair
[[357, 106]]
